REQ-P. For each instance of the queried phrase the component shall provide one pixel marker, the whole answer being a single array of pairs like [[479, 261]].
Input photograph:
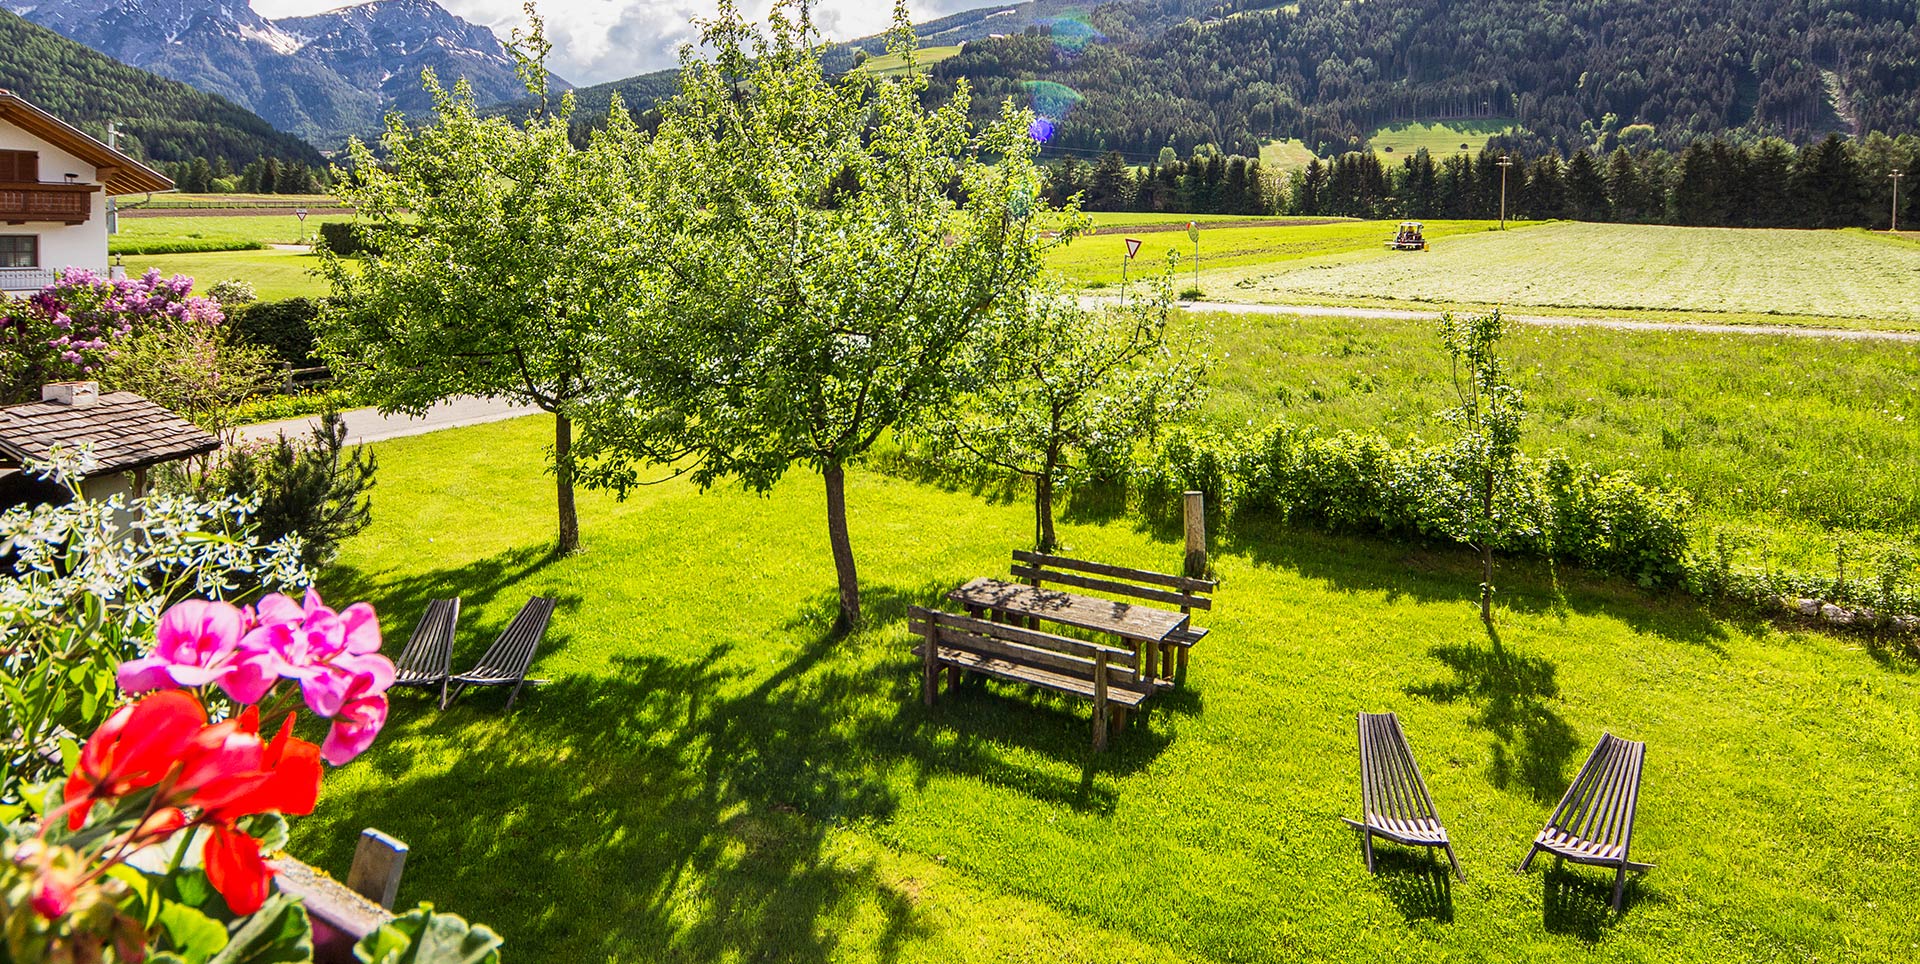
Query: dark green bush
[[285, 327], [342, 239], [311, 486]]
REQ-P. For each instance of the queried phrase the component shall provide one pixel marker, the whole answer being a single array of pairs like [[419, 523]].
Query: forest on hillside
[[159, 119], [1571, 73]]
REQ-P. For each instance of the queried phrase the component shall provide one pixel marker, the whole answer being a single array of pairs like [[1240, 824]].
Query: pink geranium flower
[[194, 645]]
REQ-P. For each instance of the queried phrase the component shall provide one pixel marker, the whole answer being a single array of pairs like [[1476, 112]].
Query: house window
[[19, 166], [19, 251]]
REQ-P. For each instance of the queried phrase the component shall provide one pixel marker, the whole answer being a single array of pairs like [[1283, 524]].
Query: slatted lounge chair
[[428, 659], [1393, 796], [1594, 822], [506, 661]]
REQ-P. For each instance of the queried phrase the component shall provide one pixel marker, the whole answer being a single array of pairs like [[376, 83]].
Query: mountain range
[[158, 119], [321, 76]]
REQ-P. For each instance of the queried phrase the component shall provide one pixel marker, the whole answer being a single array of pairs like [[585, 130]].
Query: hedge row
[[1364, 483]]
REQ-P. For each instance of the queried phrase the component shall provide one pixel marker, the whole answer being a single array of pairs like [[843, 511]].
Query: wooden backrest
[[1599, 806], [1182, 591], [1018, 644], [512, 652], [1390, 780], [429, 651]]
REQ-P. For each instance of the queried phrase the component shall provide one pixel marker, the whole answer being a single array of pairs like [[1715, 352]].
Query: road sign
[[1193, 231], [1133, 247], [300, 213]]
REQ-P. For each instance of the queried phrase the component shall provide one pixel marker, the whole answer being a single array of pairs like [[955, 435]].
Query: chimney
[[76, 394]]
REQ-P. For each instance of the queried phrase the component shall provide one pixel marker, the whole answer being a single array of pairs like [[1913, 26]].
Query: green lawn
[[1856, 275], [1786, 444], [185, 233], [274, 274], [711, 777], [1097, 260], [1440, 138]]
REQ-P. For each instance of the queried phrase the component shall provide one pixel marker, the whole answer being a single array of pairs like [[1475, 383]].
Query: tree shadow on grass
[[401, 599], [1417, 881], [1428, 573], [1531, 745]]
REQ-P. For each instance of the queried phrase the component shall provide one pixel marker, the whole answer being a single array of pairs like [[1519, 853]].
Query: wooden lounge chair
[[506, 661], [1594, 822], [1394, 802], [428, 659]]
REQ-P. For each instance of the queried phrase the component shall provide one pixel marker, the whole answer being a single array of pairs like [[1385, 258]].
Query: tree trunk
[[569, 542], [1486, 553], [836, 479], [1043, 538]]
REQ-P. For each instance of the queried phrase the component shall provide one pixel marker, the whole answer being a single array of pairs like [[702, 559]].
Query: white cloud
[[602, 40]]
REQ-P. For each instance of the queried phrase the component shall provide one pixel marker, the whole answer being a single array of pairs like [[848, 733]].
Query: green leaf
[[269, 828], [279, 933], [194, 935], [424, 937]]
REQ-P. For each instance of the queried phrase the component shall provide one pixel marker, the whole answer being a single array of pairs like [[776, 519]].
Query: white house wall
[[61, 245]]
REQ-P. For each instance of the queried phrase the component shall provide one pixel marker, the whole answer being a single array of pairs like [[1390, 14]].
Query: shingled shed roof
[[125, 430]]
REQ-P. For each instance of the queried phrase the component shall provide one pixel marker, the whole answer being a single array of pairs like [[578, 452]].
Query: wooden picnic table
[[1143, 627]]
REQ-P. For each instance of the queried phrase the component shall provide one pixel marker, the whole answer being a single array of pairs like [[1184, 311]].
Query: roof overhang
[[118, 173]]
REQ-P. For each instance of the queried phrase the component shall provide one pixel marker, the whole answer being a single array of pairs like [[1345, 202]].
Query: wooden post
[[1100, 701], [377, 863], [930, 661], [1196, 512]]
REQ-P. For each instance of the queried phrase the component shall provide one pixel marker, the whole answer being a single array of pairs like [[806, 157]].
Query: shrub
[[284, 327], [341, 238], [232, 293], [310, 487]]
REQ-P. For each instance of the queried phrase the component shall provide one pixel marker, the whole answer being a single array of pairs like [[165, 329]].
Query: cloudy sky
[[600, 40]]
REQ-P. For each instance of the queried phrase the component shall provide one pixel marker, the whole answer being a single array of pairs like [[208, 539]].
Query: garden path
[[368, 425]]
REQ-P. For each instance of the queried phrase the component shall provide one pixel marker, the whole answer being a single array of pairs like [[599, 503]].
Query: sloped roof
[[125, 430], [119, 173]]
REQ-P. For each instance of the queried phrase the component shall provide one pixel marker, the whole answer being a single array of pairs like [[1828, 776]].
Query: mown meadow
[[1856, 277], [712, 775], [179, 234], [1096, 261]]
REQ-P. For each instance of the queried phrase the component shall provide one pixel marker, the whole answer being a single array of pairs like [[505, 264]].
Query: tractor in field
[[1409, 237]]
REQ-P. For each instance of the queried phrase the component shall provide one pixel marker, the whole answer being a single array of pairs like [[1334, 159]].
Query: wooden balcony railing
[[63, 203]]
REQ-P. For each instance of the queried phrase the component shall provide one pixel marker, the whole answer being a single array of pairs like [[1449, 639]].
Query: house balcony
[[60, 203], [20, 280]]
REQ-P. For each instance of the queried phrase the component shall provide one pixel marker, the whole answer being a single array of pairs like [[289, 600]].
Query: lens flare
[[1040, 130]]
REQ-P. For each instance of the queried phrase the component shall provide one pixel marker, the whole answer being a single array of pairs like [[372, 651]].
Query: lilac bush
[[74, 327]]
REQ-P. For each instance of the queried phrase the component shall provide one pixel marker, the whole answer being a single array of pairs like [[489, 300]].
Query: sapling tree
[[835, 246], [1062, 387], [496, 253], [1487, 453]]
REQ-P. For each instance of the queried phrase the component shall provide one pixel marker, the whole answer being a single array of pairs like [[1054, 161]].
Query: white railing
[[18, 280]]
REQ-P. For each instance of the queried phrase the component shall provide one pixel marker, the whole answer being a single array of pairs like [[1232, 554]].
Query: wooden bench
[[1182, 593], [505, 663], [427, 661], [1394, 802], [1107, 675], [1594, 822]]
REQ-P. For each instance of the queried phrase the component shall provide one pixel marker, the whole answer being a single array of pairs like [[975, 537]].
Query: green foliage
[[489, 252], [161, 119], [421, 936], [307, 487], [1059, 390], [343, 238], [277, 407], [199, 370], [283, 327], [827, 249], [1486, 453]]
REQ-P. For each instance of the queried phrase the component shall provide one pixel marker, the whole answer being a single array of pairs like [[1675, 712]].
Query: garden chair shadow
[[1580, 905], [1417, 881]]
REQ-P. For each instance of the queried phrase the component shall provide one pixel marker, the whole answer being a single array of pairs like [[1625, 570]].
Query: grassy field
[[183, 234], [889, 65], [1617, 268], [1786, 444], [712, 777], [1285, 155], [273, 274], [1097, 260], [1110, 220], [1440, 138]]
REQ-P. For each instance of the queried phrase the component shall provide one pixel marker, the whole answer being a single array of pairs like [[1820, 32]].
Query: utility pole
[[1504, 162], [1893, 218]]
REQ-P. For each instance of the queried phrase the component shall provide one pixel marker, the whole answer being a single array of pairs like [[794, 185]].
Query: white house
[[54, 185]]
